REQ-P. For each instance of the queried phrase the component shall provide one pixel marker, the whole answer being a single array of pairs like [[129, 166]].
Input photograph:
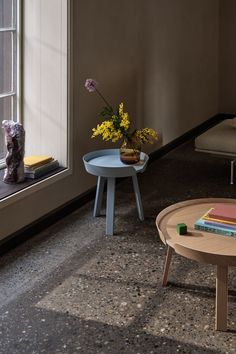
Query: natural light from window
[[8, 65]]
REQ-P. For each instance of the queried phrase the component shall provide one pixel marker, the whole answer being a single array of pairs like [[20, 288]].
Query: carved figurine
[[15, 143]]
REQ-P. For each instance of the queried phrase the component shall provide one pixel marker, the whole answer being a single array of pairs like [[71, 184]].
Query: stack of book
[[39, 165], [220, 220]]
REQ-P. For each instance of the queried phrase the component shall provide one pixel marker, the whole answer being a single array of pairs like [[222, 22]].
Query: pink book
[[223, 212]]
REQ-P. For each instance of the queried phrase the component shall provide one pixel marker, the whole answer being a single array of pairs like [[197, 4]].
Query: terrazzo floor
[[73, 290]]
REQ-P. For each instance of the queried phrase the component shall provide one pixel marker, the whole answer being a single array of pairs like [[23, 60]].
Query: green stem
[[103, 98]]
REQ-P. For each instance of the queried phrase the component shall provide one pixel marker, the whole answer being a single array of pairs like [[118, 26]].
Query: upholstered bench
[[220, 140]]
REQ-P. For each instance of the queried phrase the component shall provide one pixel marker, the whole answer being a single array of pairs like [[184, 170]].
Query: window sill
[[9, 190]]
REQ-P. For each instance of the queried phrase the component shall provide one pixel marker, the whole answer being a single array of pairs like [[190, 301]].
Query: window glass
[[3, 149], [6, 104], [8, 66], [6, 13], [6, 61]]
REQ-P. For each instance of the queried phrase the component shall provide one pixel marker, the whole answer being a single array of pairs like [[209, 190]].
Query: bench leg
[[110, 205], [99, 194], [138, 197], [232, 172]]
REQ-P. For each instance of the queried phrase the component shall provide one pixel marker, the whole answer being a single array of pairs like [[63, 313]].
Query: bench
[[220, 140]]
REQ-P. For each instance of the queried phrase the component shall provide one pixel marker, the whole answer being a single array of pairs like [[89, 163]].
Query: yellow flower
[[125, 122], [147, 135], [118, 126], [121, 105], [107, 131]]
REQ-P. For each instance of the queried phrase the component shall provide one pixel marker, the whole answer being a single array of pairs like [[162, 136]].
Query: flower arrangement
[[117, 125]]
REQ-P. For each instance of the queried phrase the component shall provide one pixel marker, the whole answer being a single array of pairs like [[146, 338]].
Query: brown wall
[[180, 64], [227, 55], [159, 57]]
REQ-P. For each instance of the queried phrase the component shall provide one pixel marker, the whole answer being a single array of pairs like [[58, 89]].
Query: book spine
[[39, 163], [43, 167], [205, 217], [215, 230], [219, 224], [42, 171], [221, 217]]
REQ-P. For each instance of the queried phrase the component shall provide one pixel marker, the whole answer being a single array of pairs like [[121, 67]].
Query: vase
[[130, 151]]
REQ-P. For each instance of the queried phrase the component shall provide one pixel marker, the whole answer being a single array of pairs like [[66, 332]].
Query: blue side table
[[106, 165]]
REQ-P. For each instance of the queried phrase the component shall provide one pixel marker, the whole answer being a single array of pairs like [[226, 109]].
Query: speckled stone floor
[[70, 289]]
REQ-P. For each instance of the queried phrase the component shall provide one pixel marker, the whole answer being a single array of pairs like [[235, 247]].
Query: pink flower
[[91, 85]]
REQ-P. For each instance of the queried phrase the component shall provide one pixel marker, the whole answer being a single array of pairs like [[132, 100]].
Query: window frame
[[15, 29]]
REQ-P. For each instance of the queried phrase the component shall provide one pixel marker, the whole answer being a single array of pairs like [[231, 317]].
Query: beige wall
[[158, 56], [227, 56]]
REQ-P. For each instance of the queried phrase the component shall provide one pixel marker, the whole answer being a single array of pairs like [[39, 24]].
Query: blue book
[[202, 226], [219, 224]]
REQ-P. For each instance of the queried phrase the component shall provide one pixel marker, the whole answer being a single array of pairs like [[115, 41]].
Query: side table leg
[[167, 266], [99, 194], [221, 298], [232, 171], [138, 197], [110, 205]]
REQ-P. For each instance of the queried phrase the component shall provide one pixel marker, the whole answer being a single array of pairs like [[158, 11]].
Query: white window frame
[[16, 63], [65, 176]]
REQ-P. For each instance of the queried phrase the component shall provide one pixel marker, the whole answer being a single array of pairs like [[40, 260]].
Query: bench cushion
[[221, 139]]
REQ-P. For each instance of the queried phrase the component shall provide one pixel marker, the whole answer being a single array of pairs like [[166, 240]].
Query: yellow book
[[36, 160]]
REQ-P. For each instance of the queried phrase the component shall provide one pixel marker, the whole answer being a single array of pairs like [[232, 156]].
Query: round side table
[[106, 165], [201, 246]]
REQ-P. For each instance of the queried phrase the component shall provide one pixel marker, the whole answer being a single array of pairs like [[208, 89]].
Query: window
[[9, 40]]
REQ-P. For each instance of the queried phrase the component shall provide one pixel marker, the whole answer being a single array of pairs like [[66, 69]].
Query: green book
[[41, 170]]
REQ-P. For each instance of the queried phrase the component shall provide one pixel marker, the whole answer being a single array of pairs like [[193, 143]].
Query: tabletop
[[107, 163], [198, 245]]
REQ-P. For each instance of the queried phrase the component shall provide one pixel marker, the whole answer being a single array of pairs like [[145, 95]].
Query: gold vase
[[130, 151]]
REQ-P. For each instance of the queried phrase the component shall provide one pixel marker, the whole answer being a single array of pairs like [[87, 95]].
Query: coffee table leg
[[221, 298], [232, 171], [138, 197], [110, 205], [99, 194], [167, 265]]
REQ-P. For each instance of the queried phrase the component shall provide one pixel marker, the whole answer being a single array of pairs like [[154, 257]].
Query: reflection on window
[[8, 64]]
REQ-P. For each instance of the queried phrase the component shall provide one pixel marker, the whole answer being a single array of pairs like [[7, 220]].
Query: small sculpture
[[15, 143]]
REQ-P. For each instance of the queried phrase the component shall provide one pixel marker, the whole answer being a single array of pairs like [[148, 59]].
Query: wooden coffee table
[[198, 245]]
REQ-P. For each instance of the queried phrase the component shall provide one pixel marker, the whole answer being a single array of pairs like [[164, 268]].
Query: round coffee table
[[198, 245]]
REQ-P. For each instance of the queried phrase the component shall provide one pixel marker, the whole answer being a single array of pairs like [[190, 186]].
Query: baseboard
[[189, 135], [32, 229]]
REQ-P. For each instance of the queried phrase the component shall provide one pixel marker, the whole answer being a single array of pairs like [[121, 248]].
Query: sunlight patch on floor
[[97, 299]]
